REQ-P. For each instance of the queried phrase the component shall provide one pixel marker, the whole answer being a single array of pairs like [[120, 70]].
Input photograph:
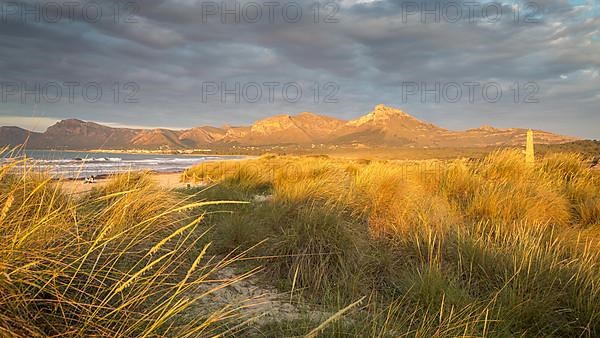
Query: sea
[[73, 164]]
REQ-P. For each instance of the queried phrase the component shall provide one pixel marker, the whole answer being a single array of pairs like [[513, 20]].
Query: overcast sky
[[169, 60]]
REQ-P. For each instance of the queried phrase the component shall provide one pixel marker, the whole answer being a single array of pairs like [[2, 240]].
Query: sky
[[184, 63]]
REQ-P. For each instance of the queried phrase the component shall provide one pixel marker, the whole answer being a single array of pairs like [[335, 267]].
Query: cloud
[[38, 124], [174, 47]]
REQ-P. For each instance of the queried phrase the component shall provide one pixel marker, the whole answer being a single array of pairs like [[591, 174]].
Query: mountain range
[[384, 126]]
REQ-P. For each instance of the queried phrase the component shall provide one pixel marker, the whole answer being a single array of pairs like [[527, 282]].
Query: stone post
[[529, 151]]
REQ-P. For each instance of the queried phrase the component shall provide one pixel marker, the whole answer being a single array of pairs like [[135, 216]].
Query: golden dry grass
[[486, 248], [125, 260], [455, 248], [399, 195]]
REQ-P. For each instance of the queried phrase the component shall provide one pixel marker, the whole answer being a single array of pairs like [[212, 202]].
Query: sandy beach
[[164, 180]]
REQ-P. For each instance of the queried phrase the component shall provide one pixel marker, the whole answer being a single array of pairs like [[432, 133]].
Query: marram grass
[[125, 260], [460, 248], [384, 249]]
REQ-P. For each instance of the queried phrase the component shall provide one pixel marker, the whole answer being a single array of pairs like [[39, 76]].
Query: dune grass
[[125, 260], [371, 248], [461, 248]]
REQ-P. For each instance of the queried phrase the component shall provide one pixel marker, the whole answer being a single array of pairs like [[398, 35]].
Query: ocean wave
[[99, 159], [75, 165]]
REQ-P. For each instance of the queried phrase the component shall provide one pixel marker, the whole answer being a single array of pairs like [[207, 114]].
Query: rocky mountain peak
[[68, 123], [381, 114], [272, 124], [488, 128], [383, 110]]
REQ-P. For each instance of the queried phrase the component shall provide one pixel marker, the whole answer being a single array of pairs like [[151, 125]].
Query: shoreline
[[83, 166], [163, 180], [168, 179], [141, 152]]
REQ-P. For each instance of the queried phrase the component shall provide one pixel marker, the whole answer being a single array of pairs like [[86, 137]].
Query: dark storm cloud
[[172, 48]]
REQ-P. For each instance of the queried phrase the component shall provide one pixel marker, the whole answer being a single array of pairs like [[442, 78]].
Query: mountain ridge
[[384, 126]]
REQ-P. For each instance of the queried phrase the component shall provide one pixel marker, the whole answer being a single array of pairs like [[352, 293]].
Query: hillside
[[384, 126]]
